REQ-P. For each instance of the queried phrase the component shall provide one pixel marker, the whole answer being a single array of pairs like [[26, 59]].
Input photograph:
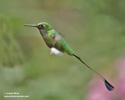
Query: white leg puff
[[55, 51]]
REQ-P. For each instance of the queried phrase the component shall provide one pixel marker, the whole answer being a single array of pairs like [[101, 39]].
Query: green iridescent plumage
[[56, 42], [54, 39]]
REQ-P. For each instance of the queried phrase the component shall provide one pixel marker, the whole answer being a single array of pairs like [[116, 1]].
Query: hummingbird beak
[[31, 25]]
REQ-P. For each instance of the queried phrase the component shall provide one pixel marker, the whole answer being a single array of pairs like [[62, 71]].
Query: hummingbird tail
[[107, 84]]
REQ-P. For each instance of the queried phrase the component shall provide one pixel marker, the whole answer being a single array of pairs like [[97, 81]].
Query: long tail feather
[[107, 84]]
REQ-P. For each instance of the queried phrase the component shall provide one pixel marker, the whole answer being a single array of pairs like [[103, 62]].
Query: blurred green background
[[94, 29]]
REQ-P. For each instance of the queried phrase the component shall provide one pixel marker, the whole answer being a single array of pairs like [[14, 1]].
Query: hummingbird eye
[[42, 26]]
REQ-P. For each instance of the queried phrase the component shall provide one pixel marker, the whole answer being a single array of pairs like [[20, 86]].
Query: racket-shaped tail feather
[[107, 84]]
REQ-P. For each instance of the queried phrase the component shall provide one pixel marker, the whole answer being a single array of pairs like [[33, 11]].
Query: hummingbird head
[[42, 26]]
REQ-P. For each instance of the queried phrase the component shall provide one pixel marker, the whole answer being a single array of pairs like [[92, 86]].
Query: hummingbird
[[55, 41]]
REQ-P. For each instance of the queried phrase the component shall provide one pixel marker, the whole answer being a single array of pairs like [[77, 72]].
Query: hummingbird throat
[[55, 51]]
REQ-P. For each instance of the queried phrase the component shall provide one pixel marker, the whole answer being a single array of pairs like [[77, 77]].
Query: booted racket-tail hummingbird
[[55, 41]]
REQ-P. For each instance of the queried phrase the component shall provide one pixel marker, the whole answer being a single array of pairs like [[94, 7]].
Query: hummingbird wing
[[60, 44]]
